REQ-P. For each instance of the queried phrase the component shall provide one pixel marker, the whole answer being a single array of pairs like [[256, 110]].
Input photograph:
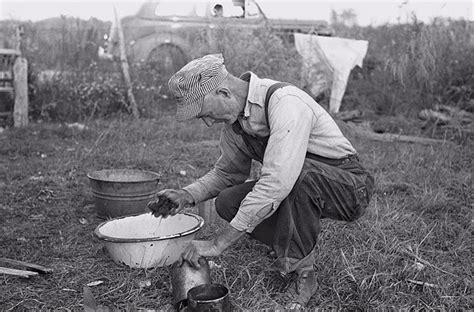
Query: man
[[218, 10], [309, 169]]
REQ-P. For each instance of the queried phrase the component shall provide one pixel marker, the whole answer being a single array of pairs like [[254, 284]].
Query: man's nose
[[208, 121]]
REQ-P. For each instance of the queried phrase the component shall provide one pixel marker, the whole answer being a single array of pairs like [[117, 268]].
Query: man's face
[[218, 106]]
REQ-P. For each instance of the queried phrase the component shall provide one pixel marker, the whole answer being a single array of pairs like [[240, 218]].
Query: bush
[[260, 51], [407, 68], [413, 66], [98, 90], [77, 95]]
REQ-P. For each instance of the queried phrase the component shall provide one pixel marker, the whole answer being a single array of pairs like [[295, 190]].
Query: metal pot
[[184, 277], [209, 298], [122, 192]]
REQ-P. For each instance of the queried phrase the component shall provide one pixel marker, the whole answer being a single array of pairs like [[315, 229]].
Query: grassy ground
[[411, 250]]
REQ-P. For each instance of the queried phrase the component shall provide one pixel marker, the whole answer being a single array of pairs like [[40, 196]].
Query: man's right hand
[[180, 197]]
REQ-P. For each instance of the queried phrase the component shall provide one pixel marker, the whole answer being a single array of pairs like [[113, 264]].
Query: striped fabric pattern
[[192, 82]]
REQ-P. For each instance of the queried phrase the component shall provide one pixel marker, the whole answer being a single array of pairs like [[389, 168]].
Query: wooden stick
[[32, 266], [125, 67], [423, 283], [20, 85], [15, 272], [386, 137], [348, 115], [405, 251]]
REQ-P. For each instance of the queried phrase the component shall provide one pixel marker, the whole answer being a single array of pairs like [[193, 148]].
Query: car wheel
[[166, 59]]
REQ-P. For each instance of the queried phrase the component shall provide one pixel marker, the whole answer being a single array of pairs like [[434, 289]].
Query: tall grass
[[407, 68], [414, 66], [411, 251]]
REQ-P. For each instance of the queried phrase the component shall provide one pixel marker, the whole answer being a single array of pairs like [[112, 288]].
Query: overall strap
[[257, 145], [270, 91]]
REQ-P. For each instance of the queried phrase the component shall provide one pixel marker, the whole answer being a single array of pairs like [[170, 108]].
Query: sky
[[368, 12]]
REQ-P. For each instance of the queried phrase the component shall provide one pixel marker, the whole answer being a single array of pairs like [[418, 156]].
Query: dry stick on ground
[[387, 137], [423, 283], [15, 272], [125, 68], [427, 263], [31, 266], [348, 115]]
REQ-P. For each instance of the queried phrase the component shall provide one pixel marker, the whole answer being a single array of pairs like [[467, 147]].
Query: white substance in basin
[[148, 226]]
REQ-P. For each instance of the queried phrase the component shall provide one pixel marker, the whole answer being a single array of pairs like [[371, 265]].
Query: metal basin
[[144, 241], [122, 192]]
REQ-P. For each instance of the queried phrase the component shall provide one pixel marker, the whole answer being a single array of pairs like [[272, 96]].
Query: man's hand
[[197, 249], [179, 197]]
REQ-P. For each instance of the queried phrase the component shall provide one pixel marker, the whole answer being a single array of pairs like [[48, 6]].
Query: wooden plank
[[15, 272], [125, 67], [20, 85], [6, 89], [352, 130], [31, 266], [5, 114], [9, 52]]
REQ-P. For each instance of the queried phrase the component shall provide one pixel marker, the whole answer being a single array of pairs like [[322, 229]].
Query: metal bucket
[[209, 298], [122, 192]]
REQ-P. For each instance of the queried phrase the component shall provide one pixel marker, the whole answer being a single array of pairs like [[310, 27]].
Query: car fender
[[141, 49]]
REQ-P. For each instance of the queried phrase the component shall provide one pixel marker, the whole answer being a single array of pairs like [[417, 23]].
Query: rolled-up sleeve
[[291, 121], [232, 167]]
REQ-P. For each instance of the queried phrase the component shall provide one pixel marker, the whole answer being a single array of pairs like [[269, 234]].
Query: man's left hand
[[197, 249]]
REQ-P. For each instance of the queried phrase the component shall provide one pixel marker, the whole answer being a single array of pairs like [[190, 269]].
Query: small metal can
[[209, 298], [184, 277]]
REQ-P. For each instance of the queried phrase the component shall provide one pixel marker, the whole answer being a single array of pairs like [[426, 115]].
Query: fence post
[[125, 67], [20, 87]]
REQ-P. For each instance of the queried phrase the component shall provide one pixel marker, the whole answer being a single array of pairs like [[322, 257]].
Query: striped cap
[[192, 82]]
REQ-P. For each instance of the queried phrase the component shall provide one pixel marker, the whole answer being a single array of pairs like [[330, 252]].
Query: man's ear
[[225, 92]]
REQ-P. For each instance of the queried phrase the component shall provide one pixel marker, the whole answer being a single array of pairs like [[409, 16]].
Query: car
[[167, 32]]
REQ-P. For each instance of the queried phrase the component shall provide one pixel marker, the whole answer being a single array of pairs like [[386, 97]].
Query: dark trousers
[[339, 191]]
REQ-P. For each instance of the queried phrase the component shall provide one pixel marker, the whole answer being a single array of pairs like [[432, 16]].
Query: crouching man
[[309, 169]]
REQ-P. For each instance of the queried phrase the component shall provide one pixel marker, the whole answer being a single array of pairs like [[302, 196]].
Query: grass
[[412, 250]]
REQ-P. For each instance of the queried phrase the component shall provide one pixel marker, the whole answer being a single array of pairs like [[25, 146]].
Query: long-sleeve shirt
[[297, 125]]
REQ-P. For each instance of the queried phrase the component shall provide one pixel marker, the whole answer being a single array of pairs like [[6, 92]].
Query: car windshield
[[181, 8]]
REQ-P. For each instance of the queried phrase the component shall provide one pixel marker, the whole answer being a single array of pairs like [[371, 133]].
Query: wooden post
[[125, 67], [20, 87], [19, 44]]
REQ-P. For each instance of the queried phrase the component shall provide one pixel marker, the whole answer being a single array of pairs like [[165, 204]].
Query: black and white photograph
[[236, 155]]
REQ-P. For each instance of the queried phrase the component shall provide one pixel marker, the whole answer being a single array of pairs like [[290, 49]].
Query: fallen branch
[[390, 137], [31, 266], [427, 263], [439, 117], [423, 284], [386, 137], [443, 115], [465, 116], [20, 273], [348, 115]]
